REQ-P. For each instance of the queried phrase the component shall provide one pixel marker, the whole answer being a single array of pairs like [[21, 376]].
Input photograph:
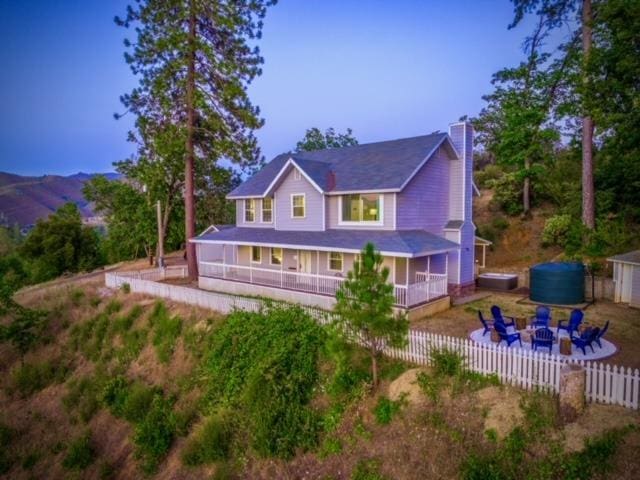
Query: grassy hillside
[[124, 386]]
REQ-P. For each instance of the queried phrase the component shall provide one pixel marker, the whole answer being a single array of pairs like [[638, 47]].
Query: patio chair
[[586, 339], [542, 337], [573, 323], [499, 318], [486, 324], [507, 337], [601, 333], [542, 317]]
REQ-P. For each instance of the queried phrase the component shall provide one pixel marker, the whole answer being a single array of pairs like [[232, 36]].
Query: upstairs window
[[362, 208], [335, 261], [256, 254], [297, 205], [249, 210], [296, 174], [267, 210]]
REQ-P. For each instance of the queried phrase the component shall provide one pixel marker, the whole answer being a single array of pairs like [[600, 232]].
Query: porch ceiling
[[400, 243]]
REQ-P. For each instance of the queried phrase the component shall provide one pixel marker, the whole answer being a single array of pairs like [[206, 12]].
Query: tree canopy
[[314, 139]]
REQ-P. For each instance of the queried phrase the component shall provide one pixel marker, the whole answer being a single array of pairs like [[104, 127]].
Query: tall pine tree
[[195, 59]]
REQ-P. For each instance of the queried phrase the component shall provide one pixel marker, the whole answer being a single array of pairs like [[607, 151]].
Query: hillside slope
[[23, 200]]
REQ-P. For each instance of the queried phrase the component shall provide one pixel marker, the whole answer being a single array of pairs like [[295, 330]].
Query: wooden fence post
[[572, 392]]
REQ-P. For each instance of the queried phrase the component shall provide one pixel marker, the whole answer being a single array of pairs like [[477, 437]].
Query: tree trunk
[[526, 189], [374, 369], [189, 199], [588, 194]]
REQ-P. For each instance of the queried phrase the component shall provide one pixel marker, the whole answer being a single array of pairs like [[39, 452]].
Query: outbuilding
[[626, 278]]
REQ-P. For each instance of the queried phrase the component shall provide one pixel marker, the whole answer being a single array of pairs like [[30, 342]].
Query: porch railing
[[406, 296]]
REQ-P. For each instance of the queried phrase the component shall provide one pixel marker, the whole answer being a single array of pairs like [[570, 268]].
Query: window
[[296, 174], [335, 261], [362, 208], [297, 205], [256, 254], [267, 210], [249, 210], [276, 256]]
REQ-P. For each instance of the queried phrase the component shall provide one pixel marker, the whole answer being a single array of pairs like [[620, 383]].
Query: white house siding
[[424, 202], [257, 223], [634, 301], [313, 220], [333, 214]]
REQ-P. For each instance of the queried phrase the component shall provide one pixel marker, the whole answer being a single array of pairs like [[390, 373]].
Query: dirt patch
[[502, 407], [406, 385], [596, 420]]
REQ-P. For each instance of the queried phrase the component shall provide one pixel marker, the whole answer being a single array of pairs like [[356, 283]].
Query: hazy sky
[[387, 69]]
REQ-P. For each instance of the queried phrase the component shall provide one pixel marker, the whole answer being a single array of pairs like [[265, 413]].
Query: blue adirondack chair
[[486, 324], [507, 337], [499, 318], [542, 318], [542, 337], [573, 323], [586, 339], [601, 333]]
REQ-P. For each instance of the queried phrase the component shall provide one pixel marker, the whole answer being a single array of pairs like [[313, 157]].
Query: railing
[[523, 368], [406, 296]]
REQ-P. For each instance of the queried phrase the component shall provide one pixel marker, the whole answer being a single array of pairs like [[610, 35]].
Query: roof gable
[[381, 166]]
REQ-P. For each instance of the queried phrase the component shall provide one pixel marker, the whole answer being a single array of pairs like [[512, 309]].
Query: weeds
[[31, 377], [386, 410], [166, 330], [211, 441], [80, 454], [367, 470], [154, 434]]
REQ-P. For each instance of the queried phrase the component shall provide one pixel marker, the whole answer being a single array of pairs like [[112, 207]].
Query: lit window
[[335, 261], [256, 254], [267, 210], [361, 208], [249, 210], [297, 206], [276, 256]]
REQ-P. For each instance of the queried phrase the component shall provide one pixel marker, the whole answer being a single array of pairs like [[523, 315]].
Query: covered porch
[[416, 280]]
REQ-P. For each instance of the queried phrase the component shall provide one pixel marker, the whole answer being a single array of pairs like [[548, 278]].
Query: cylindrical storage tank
[[559, 283]]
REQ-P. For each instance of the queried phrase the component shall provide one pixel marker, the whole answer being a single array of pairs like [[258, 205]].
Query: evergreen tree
[[365, 308], [195, 59]]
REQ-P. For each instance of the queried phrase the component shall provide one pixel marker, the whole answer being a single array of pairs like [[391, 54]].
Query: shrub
[[80, 454], [125, 287], [166, 331], [446, 362], [114, 395], [211, 441], [367, 470], [31, 377], [7, 435], [266, 363], [83, 396], [556, 230], [484, 177], [124, 323], [155, 433], [386, 409], [138, 401], [76, 296], [507, 193], [113, 306]]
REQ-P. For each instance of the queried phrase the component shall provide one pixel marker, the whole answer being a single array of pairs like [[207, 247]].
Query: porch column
[[224, 260], [407, 279], [429, 268], [317, 271], [446, 266], [282, 269], [484, 255]]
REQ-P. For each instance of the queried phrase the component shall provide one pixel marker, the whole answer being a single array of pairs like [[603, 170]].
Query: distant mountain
[[23, 200]]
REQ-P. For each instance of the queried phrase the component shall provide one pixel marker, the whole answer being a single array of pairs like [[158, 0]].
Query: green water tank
[[559, 283]]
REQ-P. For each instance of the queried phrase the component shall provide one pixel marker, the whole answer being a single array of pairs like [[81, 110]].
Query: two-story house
[[302, 220]]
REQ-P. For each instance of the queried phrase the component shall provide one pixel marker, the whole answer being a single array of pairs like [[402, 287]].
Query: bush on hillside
[[266, 364], [556, 230]]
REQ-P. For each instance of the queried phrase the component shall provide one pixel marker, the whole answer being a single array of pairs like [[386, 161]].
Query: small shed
[[626, 278], [481, 251]]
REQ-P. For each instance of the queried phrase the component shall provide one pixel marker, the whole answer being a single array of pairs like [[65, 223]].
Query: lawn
[[624, 329]]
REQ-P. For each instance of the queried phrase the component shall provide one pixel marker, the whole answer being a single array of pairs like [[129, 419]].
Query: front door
[[304, 261]]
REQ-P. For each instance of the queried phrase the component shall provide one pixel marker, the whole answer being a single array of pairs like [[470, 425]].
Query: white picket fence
[[522, 368]]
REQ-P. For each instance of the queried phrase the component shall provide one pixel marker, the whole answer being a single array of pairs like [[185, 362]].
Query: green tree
[[364, 308], [314, 139], [130, 215], [61, 244], [516, 126], [195, 59]]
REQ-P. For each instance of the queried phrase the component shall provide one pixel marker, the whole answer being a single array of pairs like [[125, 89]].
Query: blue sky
[[386, 69]]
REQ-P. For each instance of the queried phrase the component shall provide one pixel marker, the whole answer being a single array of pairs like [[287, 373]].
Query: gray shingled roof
[[370, 166], [629, 257], [454, 224], [405, 242]]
